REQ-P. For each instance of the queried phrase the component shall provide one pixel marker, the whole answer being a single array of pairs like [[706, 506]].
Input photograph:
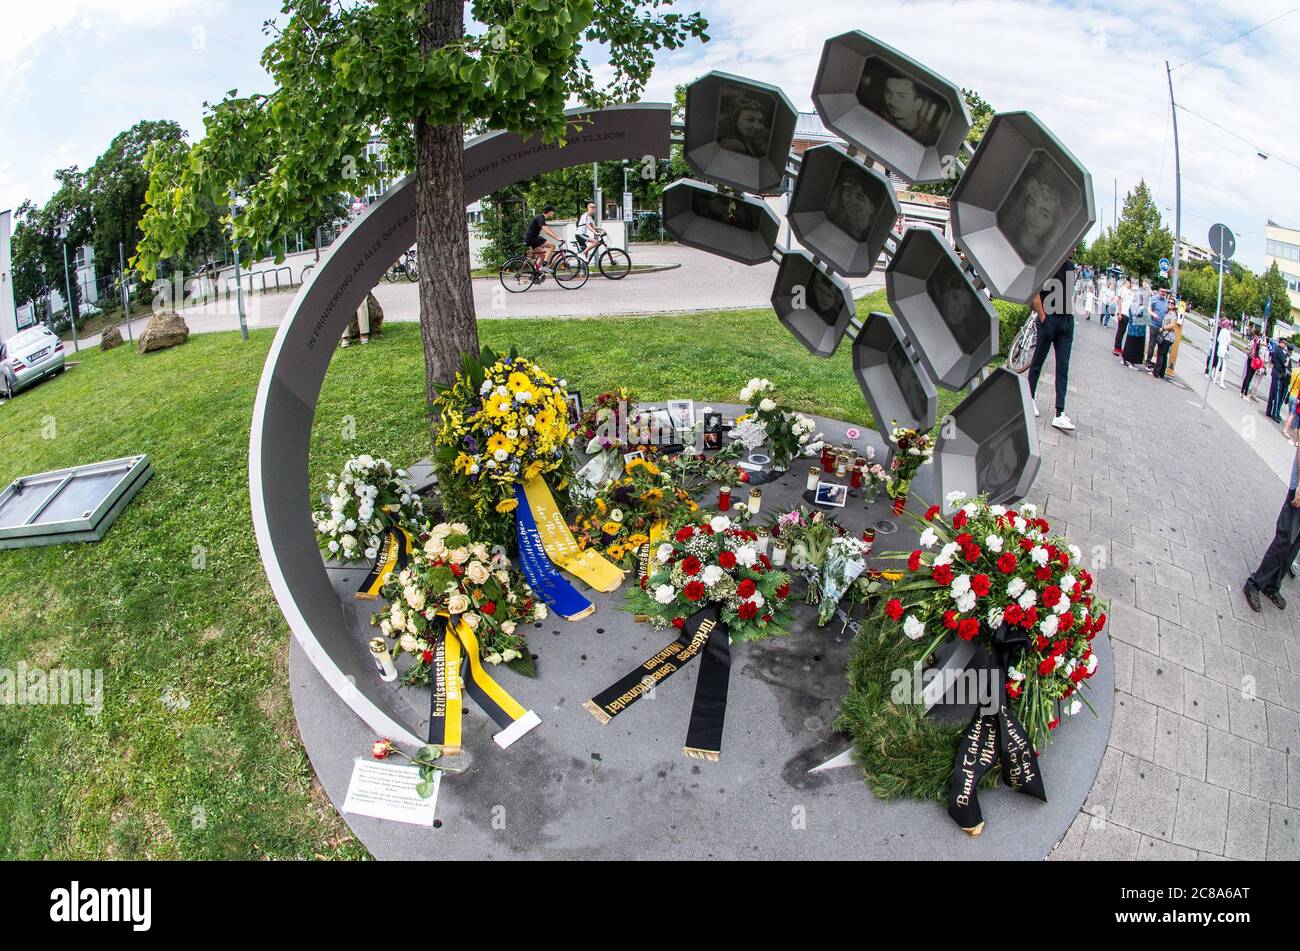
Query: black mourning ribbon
[[994, 739]]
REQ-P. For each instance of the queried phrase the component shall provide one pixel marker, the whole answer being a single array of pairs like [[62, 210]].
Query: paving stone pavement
[[1175, 509]]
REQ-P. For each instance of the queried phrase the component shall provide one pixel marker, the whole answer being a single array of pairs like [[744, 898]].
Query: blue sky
[[76, 72]]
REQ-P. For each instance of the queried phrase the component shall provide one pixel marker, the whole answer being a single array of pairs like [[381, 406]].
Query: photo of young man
[[900, 100]]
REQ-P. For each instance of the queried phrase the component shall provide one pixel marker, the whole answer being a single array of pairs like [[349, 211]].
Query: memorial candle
[[724, 498], [383, 659], [755, 501], [779, 548], [814, 476]]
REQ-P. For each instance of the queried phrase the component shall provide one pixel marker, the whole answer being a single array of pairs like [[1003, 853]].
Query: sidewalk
[[1174, 506]]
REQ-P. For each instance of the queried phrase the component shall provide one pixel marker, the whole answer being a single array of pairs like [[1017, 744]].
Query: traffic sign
[[1222, 241], [1164, 266]]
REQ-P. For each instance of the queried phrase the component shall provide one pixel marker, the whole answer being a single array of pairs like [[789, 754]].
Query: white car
[[29, 357]]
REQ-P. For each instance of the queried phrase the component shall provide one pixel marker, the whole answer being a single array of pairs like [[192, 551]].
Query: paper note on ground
[[387, 791]]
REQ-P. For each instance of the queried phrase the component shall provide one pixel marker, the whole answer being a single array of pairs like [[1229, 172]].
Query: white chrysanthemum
[[912, 627], [665, 593]]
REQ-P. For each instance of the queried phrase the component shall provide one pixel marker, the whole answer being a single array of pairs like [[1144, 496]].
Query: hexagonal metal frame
[[922, 258], [819, 172], [715, 163], [879, 354], [809, 326], [835, 97], [1013, 142], [745, 245], [1000, 408]]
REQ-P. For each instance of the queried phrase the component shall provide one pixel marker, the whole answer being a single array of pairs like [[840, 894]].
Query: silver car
[[29, 357]]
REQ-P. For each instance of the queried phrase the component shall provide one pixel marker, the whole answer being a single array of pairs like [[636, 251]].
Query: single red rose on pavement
[[381, 748], [894, 609]]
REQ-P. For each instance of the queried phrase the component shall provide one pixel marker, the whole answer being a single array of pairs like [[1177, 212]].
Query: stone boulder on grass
[[165, 329]]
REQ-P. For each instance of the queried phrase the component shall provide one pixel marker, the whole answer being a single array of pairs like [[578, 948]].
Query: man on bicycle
[[541, 239], [587, 230]]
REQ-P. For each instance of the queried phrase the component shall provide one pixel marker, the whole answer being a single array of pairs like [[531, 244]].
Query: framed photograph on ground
[[831, 493], [575, 407], [682, 413], [712, 430], [629, 456]]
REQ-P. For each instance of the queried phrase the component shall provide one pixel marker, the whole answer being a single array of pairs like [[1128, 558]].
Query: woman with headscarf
[[1135, 336]]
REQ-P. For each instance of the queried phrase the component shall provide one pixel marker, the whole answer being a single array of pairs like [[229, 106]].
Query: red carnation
[[691, 565], [968, 628], [707, 529], [981, 584], [1100, 622], [694, 590], [943, 574], [1013, 689], [1067, 621], [1014, 614], [746, 588], [1051, 596], [894, 609], [490, 608], [1027, 543], [1047, 666], [1077, 591], [427, 657], [964, 539], [747, 610], [950, 619], [679, 623], [457, 570], [1007, 562], [783, 589], [684, 533], [959, 519], [767, 617], [931, 512], [914, 560], [1054, 724], [765, 562], [971, 552], [1041, 642], [727, 560], [1031, 617], [1043, 574]]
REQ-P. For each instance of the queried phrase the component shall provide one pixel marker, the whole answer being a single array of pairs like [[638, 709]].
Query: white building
[[8, 315]]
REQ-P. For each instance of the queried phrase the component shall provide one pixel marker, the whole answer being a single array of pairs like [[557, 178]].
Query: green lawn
[[173, 603]]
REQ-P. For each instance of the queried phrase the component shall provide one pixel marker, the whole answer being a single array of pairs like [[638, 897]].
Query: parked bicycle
[[614, 263], [522, 272], [1021, 352], [407, 266]]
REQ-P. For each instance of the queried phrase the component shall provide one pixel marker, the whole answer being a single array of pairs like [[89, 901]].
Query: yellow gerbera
[[507, 505], [498, 441], [463, 463], [611, 528], [615, 552], [517, 382], [499, 404]]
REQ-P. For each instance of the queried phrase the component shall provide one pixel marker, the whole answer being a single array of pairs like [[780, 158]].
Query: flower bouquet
[[996, 565], [450, 574], [829, 557], [714, 562], [366, 499], [503, 421], [912, 450], [788, 435], [618, 520]]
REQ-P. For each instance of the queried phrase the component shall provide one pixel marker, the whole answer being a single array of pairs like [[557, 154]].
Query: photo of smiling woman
[[850, 206], [1034, 212], [745, 120], [961, 313]]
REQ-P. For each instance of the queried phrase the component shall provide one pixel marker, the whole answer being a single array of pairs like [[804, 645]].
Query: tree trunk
[[447, 320]]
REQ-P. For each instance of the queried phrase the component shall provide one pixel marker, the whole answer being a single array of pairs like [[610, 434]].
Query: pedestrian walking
[[1157, 311], [1135, 337], [1107, 301], [1222, 344], [1164, 342], [1281, 374], [1255, 353], [1054, 307], [1285, 546]]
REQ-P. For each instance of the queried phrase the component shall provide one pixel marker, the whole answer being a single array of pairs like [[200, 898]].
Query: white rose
[[408, 643], [440, 531], [457, 604], [459, 556], [397, 618], [472, 620], [477, 572], [510, 654], [508, 627], [540, 612], [665, 594], [912, 627], [415, 598], [766, 405]]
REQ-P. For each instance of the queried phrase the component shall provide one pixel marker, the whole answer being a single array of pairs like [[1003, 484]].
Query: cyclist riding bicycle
[[542, 241], [587, 230]]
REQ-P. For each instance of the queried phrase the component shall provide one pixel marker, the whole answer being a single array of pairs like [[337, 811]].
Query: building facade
[[1282, 247]]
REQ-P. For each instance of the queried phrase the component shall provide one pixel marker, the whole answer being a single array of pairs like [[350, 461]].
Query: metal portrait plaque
[[813, 304], [990, 444], [1021, 207], [738, 228], [738, 132], [953, 327], [902, 114], [897, 389], [842, 211]]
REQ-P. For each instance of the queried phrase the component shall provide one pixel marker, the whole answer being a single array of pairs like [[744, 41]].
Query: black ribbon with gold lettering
[[394, 555], [703, 635], [994, 739]]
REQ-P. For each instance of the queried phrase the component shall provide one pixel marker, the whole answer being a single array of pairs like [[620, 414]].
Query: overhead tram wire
[[1262, 152], [1235, 38]]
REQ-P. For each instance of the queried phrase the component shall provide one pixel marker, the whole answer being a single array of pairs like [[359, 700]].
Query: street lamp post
[[67, 284], [1178, 181]]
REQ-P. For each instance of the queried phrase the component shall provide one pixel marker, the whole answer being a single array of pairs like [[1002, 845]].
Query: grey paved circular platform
[[573, 788]]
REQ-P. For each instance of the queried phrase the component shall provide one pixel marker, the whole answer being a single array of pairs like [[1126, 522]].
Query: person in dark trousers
[[1164, 341], [1281, 365], [1284, 547], [1157, 309], [1256, 350], [1054, 306]]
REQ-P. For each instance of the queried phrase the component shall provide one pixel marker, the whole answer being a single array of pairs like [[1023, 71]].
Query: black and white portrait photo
[[824, 298], [1000, 460], [745, 120], [1036, 209], [851, 206], [725, 210], [904, 374], [908, 105], [958, 307]]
